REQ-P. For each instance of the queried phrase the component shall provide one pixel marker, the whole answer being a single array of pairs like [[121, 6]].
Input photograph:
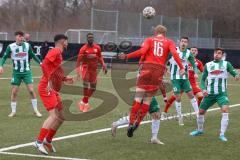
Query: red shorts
[[150, 77], [89, 75], [196, 89], [51, 99]]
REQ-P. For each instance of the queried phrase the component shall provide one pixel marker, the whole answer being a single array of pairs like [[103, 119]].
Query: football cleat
[[81, 105], [156, 141], [40, 148], [223, 138], [12, 114], [37, 113], [131, 129], [86, 107], [49, 146], [163, 116], [196, 133]]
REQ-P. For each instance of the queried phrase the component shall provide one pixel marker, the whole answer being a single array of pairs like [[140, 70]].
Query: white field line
[[40, 156], [99, 131]]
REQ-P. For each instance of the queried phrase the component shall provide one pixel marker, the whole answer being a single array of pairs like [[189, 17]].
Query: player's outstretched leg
[[119, 122]]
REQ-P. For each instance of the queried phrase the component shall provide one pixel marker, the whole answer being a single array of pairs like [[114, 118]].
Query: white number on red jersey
[[158, 50]]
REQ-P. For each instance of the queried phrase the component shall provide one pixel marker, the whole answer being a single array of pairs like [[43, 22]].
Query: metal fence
[[115, 26]]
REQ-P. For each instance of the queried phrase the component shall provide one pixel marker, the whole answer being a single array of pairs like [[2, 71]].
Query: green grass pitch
[[102, 146]]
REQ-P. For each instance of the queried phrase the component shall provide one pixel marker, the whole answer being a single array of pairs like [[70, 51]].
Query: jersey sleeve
[[200, 66], [145, 46], [191, 59], [135, 54], [231, 70], [172, 49], [5, 56], [32, 54], [203, 79]]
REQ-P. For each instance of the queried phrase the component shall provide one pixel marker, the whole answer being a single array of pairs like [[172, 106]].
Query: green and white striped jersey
[[186, 56], [20, 56], [215, 74]]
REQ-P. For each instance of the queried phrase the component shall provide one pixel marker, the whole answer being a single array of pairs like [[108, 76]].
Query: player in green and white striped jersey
[[20, 52], [214, 86], [182, 82]]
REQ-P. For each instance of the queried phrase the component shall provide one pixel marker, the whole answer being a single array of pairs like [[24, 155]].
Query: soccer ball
[[149, 12]]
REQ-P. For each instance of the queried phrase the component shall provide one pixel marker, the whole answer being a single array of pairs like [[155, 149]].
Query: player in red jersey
[[87, 63], [49, 86], [137, 54], [196, 89], [154, 53]]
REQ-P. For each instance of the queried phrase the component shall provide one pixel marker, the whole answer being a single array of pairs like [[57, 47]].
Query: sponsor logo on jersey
[[21, 54], [216, 72]]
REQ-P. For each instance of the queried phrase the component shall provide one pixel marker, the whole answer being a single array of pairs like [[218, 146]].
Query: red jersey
[[51, 68], [89, 56], [191, 71], [156, 50]]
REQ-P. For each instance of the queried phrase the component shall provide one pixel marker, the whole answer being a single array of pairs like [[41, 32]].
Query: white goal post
[[100, 36]]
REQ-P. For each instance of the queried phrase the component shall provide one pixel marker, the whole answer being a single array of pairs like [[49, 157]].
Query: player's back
[[158, 48]]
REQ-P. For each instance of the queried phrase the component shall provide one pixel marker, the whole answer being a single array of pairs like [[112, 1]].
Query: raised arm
[[135, 54]]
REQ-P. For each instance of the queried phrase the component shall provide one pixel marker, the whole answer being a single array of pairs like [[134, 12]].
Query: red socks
[[169, 103], [42, 134], [199, 100], [87, 92], [144, 110], [85, 99], [134, 111], [50, 135]]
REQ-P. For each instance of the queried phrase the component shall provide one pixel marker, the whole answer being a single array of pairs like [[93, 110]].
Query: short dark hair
[[194, 47], [89, 34], [19, 33], [59, 37], [184, 38], [219, 49]]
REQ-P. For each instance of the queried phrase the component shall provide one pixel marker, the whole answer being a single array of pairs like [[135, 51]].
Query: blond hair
[[160, 29]]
